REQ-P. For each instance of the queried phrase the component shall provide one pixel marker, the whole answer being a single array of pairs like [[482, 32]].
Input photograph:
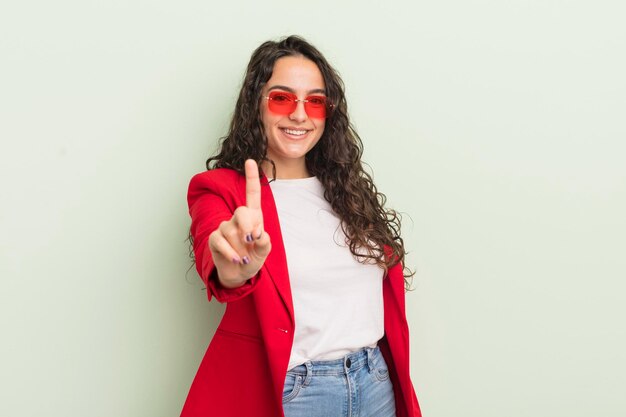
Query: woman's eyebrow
[[291, 90]]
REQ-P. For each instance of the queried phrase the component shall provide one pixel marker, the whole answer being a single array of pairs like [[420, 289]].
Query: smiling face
[[291, 136]]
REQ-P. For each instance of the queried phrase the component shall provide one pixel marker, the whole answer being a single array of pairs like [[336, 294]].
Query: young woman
[[290, 232]]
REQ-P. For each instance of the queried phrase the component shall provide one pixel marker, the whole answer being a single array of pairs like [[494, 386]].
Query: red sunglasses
[[282, 102]]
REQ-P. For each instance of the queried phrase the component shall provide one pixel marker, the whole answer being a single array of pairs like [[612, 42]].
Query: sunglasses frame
[[295, 100]]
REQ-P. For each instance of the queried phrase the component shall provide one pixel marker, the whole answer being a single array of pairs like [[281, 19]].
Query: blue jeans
[[356, 385]]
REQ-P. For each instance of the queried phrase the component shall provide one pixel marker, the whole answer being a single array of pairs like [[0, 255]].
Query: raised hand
[[240, 245]]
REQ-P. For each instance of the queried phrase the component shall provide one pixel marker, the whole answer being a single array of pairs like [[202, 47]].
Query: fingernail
[[245, 260], [249, 237], [236, 260]]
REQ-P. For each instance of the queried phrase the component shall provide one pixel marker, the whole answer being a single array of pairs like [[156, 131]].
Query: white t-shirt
[[338, 302]]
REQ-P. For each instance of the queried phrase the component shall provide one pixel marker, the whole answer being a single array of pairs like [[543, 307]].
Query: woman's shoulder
[[216, 180]]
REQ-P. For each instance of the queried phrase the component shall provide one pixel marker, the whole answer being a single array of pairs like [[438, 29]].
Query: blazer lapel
[[276, 262]]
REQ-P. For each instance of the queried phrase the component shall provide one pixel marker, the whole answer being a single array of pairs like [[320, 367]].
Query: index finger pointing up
[[253, 185]]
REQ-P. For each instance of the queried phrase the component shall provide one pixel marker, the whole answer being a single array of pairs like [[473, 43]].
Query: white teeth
[[295, 132]]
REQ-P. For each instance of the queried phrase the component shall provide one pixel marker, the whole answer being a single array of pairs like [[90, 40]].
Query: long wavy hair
[[373, 231]]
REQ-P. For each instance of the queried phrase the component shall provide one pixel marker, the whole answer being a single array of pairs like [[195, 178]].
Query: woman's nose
[[299, 114]]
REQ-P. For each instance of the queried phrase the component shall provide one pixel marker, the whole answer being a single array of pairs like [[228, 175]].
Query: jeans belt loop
[[370, 359], [309, 373]]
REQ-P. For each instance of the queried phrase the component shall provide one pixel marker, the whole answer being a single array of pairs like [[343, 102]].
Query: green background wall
[[496, 127]]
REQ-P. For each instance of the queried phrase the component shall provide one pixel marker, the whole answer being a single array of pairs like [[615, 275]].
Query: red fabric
[[244, 368]]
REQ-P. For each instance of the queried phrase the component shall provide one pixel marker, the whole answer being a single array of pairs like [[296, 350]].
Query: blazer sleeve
[[212, 198]]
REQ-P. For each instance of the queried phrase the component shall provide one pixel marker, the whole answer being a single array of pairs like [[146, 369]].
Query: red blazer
[[243, 371]]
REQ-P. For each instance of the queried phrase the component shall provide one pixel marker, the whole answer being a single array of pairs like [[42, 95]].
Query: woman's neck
[[288, 171]]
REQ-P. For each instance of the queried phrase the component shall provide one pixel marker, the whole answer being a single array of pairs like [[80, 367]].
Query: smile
[[294, 132]]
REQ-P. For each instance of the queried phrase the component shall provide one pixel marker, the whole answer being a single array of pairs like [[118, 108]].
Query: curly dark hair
[[373, 231]]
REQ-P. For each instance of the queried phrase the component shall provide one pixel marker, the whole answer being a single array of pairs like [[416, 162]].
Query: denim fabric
[[356, 385]]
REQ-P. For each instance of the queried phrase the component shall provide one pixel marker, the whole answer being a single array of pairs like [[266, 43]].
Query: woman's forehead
[[296, 74]]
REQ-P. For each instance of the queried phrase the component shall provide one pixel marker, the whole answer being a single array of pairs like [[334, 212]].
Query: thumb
[[262, 246]]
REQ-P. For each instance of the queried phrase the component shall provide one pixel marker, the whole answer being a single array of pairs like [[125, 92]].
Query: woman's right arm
[[230, 244]]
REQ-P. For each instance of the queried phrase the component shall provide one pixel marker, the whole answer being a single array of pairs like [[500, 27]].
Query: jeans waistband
[[351, 362]]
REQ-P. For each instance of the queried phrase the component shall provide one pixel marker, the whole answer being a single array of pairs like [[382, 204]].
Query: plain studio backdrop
[[496, 128]]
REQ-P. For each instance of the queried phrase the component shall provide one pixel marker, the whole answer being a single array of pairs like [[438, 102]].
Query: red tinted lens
[[315, 106], [281, 102]]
